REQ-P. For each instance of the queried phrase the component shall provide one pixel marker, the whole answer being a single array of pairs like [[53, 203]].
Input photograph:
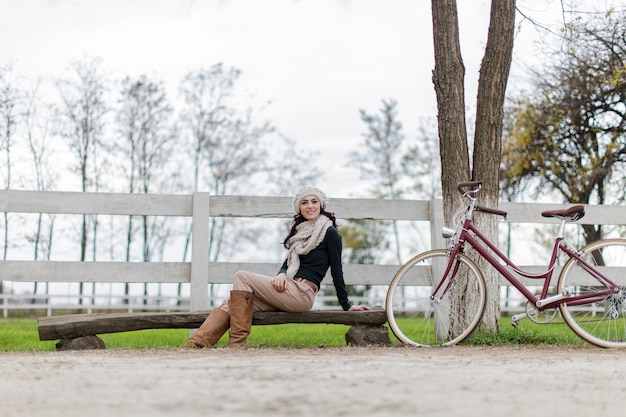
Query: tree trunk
[[448, 78], [494, 73]]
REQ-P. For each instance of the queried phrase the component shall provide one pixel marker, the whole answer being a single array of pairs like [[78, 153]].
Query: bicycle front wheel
[[601, 322], [420, 318]]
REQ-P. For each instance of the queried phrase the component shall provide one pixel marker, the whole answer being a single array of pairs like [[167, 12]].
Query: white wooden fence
[[200, 207]]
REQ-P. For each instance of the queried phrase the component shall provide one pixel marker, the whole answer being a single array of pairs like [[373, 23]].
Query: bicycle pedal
[[516, 318]]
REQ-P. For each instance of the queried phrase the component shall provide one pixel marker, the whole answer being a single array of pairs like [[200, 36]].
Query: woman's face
[[310, 207]]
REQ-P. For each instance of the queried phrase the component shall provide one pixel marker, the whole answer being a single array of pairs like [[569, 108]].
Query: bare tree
[[289, 167], [36, 121], [381, 158], [422, 163], [207, 95], [227, 143], [286, 172], [81, 122], [237, 155], [448, 79], [144, 119], [9, 99]]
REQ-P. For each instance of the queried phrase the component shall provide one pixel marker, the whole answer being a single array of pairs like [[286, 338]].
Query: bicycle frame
[[471, 235]]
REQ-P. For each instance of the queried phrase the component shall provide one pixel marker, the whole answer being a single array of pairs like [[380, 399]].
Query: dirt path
[[457, 381]]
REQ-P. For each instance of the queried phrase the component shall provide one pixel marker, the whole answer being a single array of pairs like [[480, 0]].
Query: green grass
[[526, 333], [22, 335]]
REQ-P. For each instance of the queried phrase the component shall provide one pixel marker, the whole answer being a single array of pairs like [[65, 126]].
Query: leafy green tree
[[567, 136]]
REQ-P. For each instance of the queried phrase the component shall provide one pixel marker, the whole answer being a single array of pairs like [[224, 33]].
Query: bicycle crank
[[539, 316]]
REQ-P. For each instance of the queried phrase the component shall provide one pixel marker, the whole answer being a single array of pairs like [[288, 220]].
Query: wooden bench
[[79, 331]]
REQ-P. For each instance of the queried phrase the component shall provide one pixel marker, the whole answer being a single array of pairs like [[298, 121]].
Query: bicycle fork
[[449, 274]]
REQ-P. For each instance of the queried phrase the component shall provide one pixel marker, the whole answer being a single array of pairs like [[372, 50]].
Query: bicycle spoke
[[417, 318], [602, 323]]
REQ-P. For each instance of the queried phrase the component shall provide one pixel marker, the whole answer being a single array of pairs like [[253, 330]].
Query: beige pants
[[297, 298]]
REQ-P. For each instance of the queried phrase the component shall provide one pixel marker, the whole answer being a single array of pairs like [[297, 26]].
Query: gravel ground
[[398, 381]]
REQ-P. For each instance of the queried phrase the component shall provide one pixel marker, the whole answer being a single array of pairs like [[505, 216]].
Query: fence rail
[[200, 207]]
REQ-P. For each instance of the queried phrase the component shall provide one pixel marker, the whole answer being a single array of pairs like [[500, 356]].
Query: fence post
[[436, 223], [198, 295]]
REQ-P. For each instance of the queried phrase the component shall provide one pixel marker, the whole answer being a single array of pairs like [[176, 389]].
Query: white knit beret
[[308, 190]]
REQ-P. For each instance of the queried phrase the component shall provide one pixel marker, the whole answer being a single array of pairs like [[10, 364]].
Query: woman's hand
[[359, 308], [279, 282]]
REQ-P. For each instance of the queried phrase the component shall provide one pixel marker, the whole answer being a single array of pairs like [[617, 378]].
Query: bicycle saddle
[[572, 213]]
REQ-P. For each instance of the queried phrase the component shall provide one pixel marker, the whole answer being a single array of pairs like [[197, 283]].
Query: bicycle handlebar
[[473, 187], [491, 211]]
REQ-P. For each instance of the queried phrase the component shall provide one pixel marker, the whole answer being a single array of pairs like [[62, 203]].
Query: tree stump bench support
[[79, 331]]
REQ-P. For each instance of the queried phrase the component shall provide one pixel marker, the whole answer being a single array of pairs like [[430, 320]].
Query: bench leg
[[81, 343], [367, 335]]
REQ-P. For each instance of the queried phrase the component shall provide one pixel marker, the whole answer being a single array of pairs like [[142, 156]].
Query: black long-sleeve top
[[313, 266]]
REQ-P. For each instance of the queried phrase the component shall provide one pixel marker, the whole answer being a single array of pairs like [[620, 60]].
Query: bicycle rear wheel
[[602, 322], [418, 319]]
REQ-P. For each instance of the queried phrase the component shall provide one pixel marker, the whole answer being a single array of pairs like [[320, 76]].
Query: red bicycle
[[438, 297]]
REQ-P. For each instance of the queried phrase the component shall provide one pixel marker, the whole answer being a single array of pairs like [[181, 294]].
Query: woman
[[313, 246]]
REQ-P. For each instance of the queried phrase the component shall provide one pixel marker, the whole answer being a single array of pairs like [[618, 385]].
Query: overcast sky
[[317, 61]]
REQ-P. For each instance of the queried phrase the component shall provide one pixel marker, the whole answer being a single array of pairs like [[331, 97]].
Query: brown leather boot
[[213, 328], [240, 306]]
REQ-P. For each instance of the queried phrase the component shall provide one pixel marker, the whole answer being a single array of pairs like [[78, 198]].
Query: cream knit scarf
[[309, 235]]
